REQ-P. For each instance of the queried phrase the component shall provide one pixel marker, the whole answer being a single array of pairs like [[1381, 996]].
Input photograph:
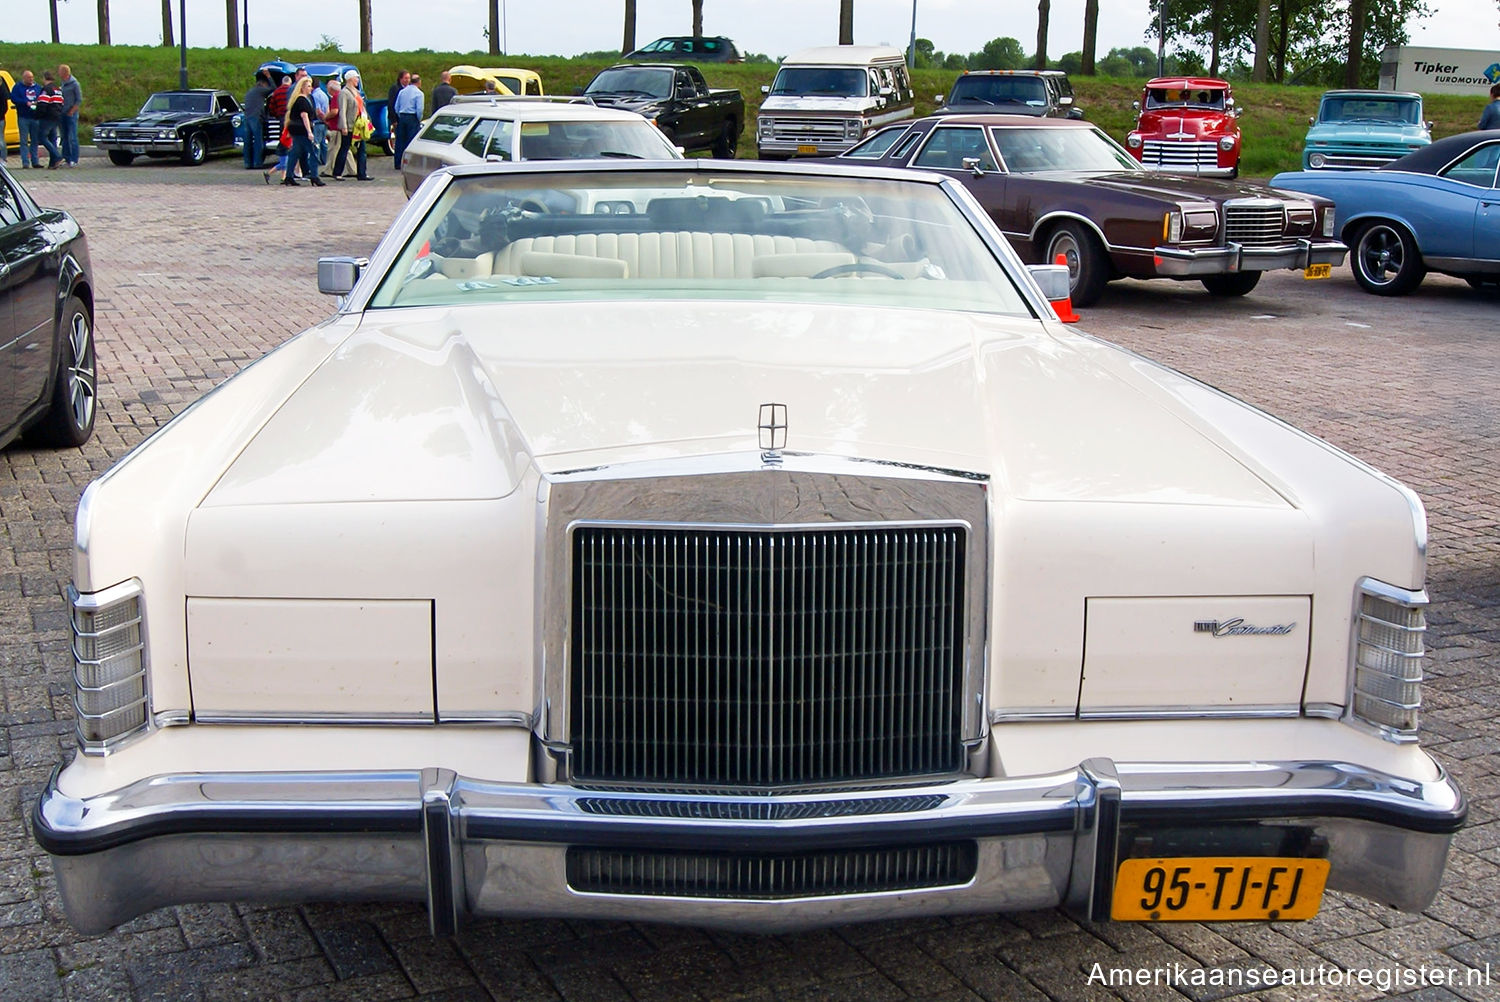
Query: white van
[[824, 100]]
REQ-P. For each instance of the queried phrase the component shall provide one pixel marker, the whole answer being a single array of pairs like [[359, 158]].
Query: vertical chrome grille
[[1258, 224], [1185, 155], [782, 875], [766, 658]]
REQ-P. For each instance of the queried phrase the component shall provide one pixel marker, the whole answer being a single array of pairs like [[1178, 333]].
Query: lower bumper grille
[[768, 877], [751, 659]]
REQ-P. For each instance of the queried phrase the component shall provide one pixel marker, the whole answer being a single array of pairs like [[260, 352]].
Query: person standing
[[300, 116], [72, 95], [23, 95], [352, 117], [403, 78], [1490, 117], [255, 120], [444, 93], [4, 111], [408, 116], [277, 103], [49, 104], [332, 137], [320, 123]]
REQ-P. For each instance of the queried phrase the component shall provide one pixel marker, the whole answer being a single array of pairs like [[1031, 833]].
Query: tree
[[924, 54], [1071, 63], [998, 54], [103, 22], [1356, 42], [494, 32], [1262, 41], [627, 44], [366, 30], [697, 18], [1043, 15], [846, 22], [232, 23], [1090, 36]]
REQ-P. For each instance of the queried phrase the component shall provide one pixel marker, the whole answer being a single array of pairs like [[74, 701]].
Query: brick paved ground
[[201, 271]]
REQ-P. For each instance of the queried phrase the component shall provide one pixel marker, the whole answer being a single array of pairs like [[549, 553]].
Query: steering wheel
[[856, 267], [535, 205]]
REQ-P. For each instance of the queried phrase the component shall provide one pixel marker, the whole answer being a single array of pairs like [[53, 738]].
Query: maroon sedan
[[1055, 186]]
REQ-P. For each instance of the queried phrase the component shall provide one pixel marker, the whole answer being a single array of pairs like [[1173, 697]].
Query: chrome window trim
[[764, 498], [1390, 593], [940, 127], [1440, 172]]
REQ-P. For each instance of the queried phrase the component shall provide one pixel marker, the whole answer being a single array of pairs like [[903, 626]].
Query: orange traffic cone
[[1064, 306]]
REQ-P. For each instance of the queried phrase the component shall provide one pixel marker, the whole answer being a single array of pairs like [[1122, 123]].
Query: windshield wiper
[[619, 155]]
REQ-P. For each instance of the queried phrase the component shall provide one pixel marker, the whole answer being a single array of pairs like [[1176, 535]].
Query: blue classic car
[[1434, 210], [1361, 129]]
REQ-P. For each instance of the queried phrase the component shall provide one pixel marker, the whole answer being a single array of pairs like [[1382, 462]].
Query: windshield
[[696, 235], [178, 102], [1029, 151], [1386, 111], [1185, 97], [975, 89], [646, 81], [580, 140], [821, 81]]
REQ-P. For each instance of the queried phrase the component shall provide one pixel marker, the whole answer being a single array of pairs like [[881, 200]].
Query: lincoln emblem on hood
[[1240, 628], [772, 431]]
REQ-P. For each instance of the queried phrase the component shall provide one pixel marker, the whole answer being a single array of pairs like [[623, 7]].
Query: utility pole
[[182, 32]]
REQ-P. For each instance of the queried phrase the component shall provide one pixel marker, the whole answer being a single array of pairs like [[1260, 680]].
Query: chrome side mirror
[[1428, 125], [971, 164], [1136, 105], [337, 276], [1052, 279], [765, 88]]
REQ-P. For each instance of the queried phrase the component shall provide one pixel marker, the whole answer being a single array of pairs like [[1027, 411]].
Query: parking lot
[[201, 271]]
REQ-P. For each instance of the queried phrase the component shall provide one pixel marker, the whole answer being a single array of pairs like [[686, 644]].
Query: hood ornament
[[772, 432]]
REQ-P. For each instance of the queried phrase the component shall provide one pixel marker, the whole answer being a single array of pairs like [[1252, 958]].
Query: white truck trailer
[[1439, 71]]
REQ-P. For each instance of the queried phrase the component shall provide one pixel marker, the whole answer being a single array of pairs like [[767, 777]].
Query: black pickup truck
[[678, 100]]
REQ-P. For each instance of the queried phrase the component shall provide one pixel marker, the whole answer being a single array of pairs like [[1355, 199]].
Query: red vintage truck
[[1187, 125]]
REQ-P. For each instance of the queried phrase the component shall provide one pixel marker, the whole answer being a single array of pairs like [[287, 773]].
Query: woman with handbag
[[355, 127], [299, 122]]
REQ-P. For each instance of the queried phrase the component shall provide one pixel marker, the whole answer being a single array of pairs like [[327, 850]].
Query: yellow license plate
[[1317, 271], [1218, 889], [806, 148]]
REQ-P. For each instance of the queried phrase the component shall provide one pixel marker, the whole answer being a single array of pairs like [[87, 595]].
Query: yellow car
[[471, 80], [12, 124]]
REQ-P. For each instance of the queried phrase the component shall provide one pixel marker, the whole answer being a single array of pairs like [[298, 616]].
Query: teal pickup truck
[[1364, 129]]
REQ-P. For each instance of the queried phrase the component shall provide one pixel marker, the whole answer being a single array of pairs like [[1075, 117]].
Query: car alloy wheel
[[196, 150], [69, 419], [1385, 260]]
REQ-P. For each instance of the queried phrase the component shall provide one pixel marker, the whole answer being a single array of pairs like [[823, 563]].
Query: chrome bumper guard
[[468, 847], [1188, 262]]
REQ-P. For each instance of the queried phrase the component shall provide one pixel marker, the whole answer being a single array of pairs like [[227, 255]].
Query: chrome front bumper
[[468, 847], [1190, 262]]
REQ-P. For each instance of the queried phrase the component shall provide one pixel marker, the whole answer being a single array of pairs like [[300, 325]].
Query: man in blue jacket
[[24, 95], [1490, 117]]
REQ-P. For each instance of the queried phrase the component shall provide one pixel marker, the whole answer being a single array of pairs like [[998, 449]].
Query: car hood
[[804, 104], [159, 119], [992, 108], [451, 405], [1170, 187], [1185, 124], [1368, 132], [627, 102]]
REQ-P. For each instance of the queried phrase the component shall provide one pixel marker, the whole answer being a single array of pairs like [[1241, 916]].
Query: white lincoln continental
[[740, 545]]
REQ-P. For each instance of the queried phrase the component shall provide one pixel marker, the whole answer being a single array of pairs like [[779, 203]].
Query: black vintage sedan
[[1063, 188], [187, 124], [48, 374]]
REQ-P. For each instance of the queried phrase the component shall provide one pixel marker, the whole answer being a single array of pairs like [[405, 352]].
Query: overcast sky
[[567, 27]]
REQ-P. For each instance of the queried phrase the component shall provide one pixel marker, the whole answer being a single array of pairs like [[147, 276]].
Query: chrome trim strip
[[502, 718], [1025, 714], [445, 877], [406, 719], [1189, 712], [1327, 711]]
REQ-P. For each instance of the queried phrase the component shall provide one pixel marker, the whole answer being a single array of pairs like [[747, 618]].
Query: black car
[[687, 49], [1043, 93], [46, 323], [188, 124]]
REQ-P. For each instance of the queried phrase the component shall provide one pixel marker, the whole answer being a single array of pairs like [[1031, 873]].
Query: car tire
[[1088, 268], [69, 419], [1234, 172], [120, 158], [195, 149], [725, 144], [1385, 259], [1238, 284], [387, 146]]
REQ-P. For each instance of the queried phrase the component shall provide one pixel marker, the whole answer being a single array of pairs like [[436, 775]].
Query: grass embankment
[[116, 79]]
